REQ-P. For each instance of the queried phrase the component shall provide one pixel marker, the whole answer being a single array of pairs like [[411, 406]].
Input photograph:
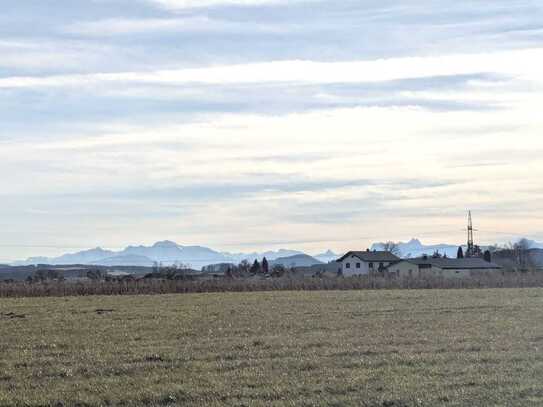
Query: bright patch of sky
[[246, 125]]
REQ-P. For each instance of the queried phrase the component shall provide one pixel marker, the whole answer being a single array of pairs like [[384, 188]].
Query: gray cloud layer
[[334, 161]]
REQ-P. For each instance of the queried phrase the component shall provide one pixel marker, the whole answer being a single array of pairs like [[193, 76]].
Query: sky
[[247, 125]]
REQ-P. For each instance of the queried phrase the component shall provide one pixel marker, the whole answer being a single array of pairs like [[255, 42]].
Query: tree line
[[164, 286]]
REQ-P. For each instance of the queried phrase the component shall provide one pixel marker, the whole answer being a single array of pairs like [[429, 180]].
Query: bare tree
[[278, 270], [244, 267], [522, 251], [393, 248], [524, 245]]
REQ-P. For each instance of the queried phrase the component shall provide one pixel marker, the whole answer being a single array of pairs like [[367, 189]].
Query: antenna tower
[[471, 246]]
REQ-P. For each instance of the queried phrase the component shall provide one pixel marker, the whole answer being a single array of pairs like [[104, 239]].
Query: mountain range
[[415, 248], [168, 253]]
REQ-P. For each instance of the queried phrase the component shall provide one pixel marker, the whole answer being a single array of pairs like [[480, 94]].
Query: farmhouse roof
[[371, 256], [446, 263]]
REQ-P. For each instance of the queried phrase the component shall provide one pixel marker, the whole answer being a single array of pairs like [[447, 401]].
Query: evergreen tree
[[255, 268], [265, 266], [460, 253]]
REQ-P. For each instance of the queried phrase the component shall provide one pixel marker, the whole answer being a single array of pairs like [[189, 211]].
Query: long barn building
[[359, 263]]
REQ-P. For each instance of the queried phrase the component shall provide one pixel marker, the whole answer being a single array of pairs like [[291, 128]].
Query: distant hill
[[534, 245], [125, 260], [269, 255], [298, 260], [16, 273]]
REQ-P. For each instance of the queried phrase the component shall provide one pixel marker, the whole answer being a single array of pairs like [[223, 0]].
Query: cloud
[[332, 122], [369, 30], [47, 55], [193, 24], [184, 4], [522, 63], [146, 103], [385, 171]]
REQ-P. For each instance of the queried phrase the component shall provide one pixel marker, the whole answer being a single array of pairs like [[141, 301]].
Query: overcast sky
[[259, 124]]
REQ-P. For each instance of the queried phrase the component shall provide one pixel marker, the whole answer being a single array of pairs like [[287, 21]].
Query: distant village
[[387, 262], [384, 260]]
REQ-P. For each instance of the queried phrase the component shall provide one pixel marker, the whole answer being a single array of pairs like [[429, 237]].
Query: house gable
[[361, 263]]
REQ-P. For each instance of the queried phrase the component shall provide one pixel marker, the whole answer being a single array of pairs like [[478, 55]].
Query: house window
[[357, 265], [370, 265], [348, 265]]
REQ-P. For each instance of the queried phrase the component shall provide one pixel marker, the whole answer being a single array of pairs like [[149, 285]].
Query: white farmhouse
[[365, 262]]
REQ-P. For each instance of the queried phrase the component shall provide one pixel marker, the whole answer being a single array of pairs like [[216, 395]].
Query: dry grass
[[359, 348], [158, 286]]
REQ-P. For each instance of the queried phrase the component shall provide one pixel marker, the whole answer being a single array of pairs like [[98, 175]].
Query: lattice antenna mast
[[471, 246]]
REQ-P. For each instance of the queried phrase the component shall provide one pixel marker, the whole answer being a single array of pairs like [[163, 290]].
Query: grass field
[[360, 348]]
